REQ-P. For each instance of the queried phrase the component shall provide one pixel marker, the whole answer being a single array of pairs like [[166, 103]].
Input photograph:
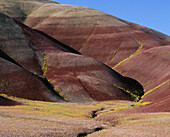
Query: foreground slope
[[15, 81], [36, 118], [151, 68]]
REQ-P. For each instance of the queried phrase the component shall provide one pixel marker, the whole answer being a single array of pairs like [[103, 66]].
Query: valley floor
[[99, 119]]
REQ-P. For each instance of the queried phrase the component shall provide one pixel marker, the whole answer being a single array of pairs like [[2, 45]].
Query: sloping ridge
[[150, 31], [15, 80]]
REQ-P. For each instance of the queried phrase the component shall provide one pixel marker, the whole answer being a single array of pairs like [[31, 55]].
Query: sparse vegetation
[[4, 85], [139, 48], [44, 65], [60, 92], [155, 88], [72, 116]]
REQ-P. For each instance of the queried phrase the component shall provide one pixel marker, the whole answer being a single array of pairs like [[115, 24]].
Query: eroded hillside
[[76, 71]]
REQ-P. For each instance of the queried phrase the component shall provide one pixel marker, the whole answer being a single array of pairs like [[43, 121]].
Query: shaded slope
[[25, 45], [15, 81], [8, 102], [91, 32], [6, 57], [20, 9], [42, 42], [15, 45], [18, 57], [80, 79]]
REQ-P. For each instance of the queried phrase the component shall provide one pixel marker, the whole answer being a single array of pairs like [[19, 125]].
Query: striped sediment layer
[[18, 82], [25, 45], [91, 32], [124, 46], [36, 66], [151, 69], [79, 78], [132, 50]]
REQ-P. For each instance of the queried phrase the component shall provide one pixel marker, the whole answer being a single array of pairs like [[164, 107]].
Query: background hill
[[20, 9]]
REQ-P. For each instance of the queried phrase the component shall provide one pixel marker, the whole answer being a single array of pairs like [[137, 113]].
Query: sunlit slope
[[151, 68], [133, 50], [91, 32]]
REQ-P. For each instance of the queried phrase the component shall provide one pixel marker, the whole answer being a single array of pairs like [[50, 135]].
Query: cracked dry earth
[[98, 119]]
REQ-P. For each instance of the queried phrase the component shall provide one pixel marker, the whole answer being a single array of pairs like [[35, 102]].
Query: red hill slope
[[132, 50], [151, 68], [15, 81], [91, 32], [79, 78], [25, 45], [76, 78]]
